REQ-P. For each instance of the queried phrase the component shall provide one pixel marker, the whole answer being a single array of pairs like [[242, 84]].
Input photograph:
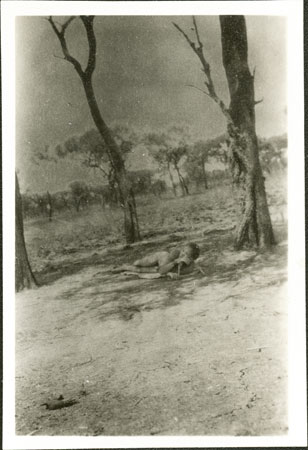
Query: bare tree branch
[[191, 43], [63, 26], [59, 57], [198, 89], [60, 29], [197, 33], [88, 24], [258, 101], [66, 24], [60, 33], [198, 49]]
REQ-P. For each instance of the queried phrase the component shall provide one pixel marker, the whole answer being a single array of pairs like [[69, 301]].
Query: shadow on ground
[[115, 295]]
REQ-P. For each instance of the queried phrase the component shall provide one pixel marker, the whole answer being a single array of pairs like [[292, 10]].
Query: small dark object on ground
[[59, 403]]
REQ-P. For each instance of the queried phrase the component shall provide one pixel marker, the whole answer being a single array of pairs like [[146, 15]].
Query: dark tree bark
[[254, 227], [126, 194], [24, 277]]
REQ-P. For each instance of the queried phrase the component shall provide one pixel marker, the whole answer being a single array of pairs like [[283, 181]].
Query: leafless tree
[[126, 194], [254, 227]]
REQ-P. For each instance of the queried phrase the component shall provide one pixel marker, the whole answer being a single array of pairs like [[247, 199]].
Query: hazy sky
[[143, 67]]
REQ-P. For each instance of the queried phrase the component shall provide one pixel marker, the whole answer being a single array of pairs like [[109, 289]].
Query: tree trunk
[[206, 186], [78, 203], [113, 187], [114, 153], [181, 180], [49, 206], [131, 227], [172, 180], [255, 226], [24, 277], [185, 185]]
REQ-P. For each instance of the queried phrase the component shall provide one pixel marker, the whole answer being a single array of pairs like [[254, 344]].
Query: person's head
[[190, 250]]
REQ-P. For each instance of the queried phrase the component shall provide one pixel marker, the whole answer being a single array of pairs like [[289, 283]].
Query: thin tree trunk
[[206, 186], [113, 187], [185, 185], [78, 203], [181, 180], [124, 186], [172, 180], [24, 277], [49, 206], [131, 227], [255, 226], [65, 201], [135, 214]]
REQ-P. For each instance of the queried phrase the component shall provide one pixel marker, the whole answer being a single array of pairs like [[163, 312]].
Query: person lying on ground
[[179, 261]]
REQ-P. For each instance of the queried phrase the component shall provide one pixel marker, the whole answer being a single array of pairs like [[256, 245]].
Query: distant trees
[[62, 201], [200, 153], [80, 193], [127, 199], [91, 151], [38, 204], [141, 180], [169, 149], [195, 163], [197, 155], [254, 226], [158, 187], [273, 153]]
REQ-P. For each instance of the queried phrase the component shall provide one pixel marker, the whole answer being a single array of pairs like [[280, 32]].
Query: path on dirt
[[204, 355]]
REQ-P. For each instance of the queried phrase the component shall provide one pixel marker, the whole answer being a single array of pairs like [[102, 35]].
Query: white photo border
[[293, 11]]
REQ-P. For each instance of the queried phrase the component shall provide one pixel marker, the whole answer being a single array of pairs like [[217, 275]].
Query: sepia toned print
[[151, 226]]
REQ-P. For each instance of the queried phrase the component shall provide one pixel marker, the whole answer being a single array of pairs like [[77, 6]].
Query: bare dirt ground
[[203, 355]]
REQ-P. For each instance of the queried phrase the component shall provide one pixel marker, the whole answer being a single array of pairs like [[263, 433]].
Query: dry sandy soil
[[203, 355]]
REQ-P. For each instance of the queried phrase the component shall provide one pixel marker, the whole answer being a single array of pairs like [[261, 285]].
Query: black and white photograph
[[153, 171]]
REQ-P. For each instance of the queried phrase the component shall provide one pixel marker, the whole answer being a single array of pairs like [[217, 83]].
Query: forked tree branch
[[60, 33], [198, 49], [197, 33], [88, 24]]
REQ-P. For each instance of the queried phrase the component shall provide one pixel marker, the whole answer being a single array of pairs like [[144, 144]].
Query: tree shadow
[[116, 296]]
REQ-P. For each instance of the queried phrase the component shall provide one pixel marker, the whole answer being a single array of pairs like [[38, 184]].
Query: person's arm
[[199, 268], [167, 267]]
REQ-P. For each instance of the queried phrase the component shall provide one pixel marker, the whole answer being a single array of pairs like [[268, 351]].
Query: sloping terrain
[[205, 354]]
